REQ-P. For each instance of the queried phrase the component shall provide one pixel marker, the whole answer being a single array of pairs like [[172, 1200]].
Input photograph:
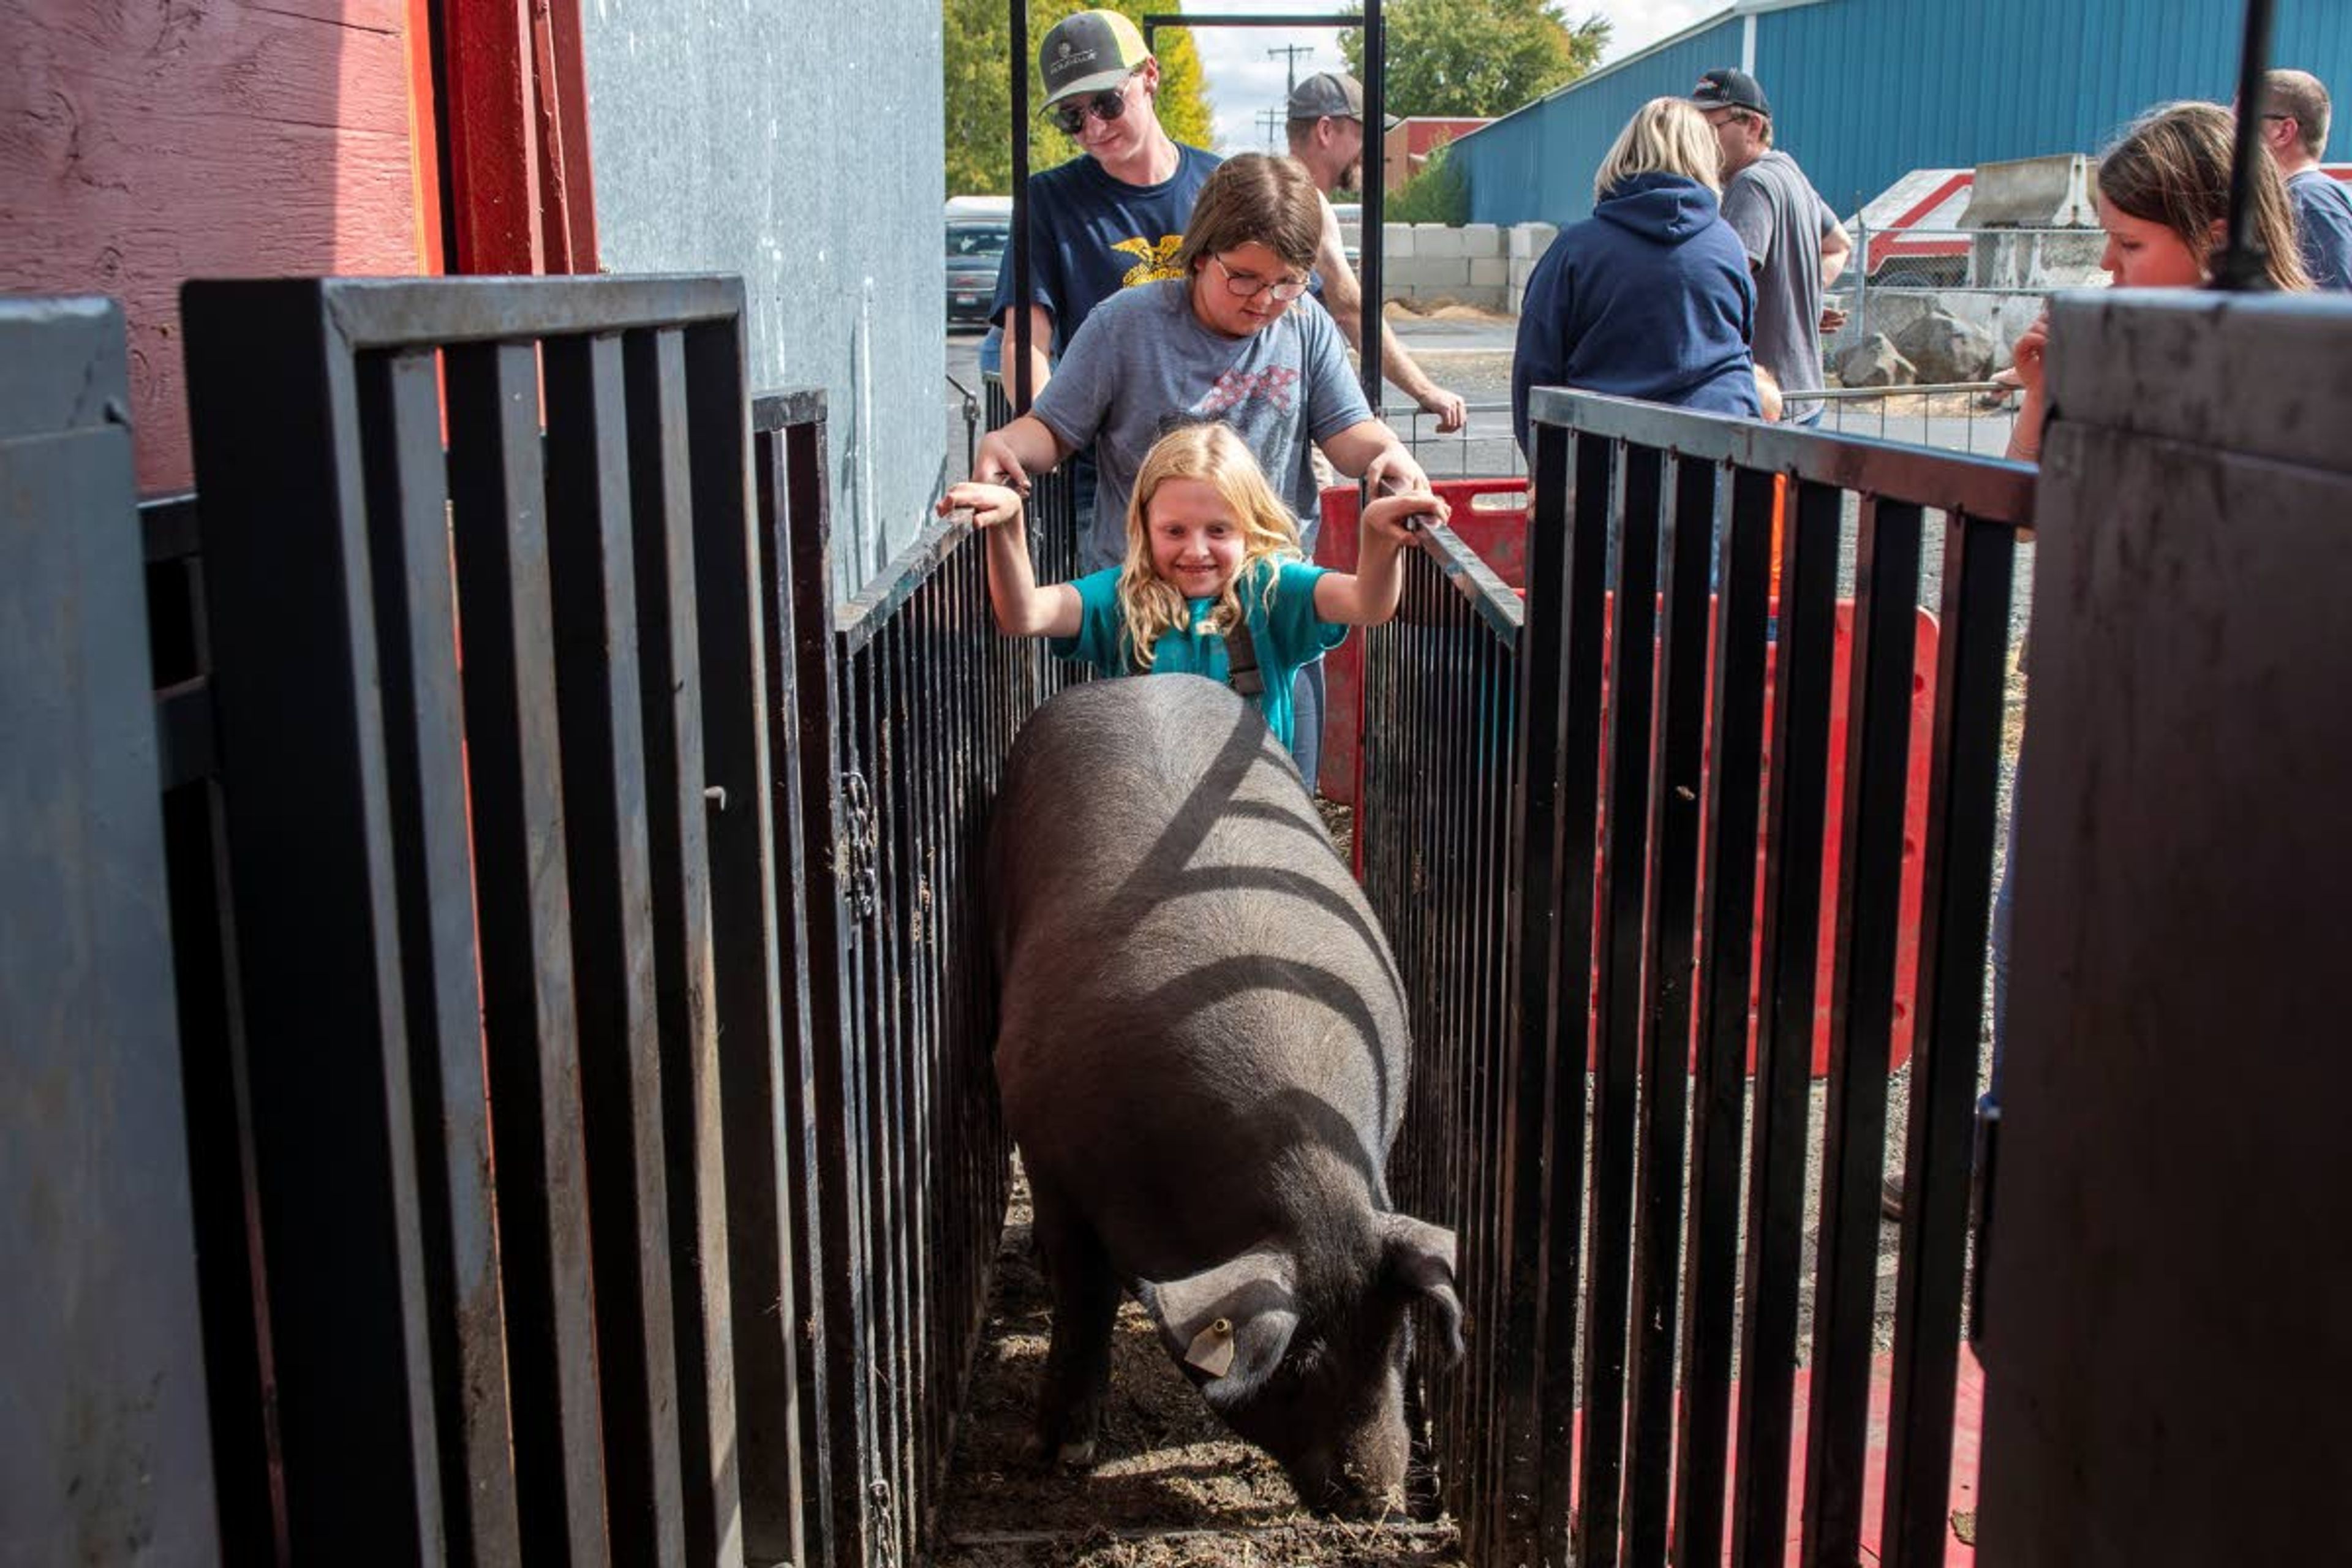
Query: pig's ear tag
[[1211, 1348]]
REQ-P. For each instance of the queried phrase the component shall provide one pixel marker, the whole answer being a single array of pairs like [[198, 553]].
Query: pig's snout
[[1365, 1481]]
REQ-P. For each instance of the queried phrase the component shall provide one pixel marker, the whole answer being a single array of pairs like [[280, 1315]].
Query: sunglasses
[[1106, 106]]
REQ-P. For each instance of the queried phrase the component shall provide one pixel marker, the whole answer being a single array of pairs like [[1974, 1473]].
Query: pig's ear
[[1420, 1258], [1230, 1324]]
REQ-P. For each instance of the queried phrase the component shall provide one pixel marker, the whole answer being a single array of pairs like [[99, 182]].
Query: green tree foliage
[[1478, 57], [1438, 193], [978, 43]]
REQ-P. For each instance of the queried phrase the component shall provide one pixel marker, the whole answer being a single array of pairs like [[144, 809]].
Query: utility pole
[[1290, 67], [1273, 121]]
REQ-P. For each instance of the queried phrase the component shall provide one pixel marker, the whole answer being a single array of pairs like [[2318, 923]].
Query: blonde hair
[[1665, 136], [1210, 452], [1255, 196], [2173, 167]]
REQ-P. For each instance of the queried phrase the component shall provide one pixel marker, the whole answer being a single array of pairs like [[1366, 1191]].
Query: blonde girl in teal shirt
[[1207, 543]]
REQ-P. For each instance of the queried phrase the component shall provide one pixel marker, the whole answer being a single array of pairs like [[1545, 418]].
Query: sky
[[1244, 81]]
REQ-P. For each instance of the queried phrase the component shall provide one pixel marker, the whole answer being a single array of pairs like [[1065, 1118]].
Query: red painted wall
[[1408, 143], [147, 141]]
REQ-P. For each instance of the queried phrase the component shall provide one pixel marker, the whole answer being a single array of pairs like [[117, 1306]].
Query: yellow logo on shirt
[[1158, 260]]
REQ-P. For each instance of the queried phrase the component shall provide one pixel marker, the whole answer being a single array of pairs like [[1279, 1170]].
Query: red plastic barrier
[[1500, 537], [1491, 517]]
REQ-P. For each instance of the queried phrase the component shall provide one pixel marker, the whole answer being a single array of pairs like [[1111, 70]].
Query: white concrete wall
[[1477, 264]]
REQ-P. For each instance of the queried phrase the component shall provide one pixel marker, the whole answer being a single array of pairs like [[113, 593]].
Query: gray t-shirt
[[1781, 220], [1143, 361]]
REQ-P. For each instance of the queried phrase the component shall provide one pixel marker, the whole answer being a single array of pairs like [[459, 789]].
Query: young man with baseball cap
[[1112, 217], [1796, 246], [1326, 134]]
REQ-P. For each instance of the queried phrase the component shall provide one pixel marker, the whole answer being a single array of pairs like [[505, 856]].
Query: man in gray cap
[[1326, 134], [1796, 246], [1112, 217]]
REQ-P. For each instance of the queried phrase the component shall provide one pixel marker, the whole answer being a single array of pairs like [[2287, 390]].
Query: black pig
[[1202, 1047]]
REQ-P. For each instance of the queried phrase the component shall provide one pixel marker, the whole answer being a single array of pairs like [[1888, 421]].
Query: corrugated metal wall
[[797, 144], [1863, 90], [1537, 164]]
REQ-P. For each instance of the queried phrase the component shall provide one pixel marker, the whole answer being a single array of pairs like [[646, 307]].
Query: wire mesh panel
[[1633, 1203], [471, 898]]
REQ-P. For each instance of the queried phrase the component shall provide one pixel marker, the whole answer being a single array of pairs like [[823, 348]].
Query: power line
[[1290, 68], [1274, 122]]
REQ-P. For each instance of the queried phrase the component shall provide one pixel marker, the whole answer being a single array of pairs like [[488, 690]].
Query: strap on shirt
[[1242, 672]]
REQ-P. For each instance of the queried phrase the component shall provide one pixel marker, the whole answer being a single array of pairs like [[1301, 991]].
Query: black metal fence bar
[[780, 1362], [1869, 901], [795, 541], [523, 913], [1793, 813], [1979, 577], [1736, 702], [1673, 849], [1632, 516], [1589, 504]]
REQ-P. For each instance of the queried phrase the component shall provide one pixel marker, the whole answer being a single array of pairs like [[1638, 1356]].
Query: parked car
[[975, 247]]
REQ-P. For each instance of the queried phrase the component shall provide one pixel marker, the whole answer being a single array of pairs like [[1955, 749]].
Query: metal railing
[[1966, 417], [1612, 917]]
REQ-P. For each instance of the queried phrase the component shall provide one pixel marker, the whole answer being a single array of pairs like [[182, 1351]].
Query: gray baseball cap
[[1328, 93]]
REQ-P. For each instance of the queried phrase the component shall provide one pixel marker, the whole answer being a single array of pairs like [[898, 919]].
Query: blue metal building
[[1863, 90]]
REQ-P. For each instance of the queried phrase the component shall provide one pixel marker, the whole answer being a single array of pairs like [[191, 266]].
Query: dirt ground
[[1174, 1489]]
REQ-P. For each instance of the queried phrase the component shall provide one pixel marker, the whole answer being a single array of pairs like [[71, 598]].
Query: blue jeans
[[1307, 737]]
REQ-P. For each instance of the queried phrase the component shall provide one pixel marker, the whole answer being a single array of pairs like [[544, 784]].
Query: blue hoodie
[[1649, 297]]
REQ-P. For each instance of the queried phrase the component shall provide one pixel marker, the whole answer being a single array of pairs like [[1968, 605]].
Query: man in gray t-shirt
[[1143, 357], [1796, 246]]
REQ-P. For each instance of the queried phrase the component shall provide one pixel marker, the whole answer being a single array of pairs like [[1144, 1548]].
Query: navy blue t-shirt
[[2323, 226], [1090, 236]]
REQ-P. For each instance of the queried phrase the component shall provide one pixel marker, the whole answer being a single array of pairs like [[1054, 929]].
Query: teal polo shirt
[[1287, 635]]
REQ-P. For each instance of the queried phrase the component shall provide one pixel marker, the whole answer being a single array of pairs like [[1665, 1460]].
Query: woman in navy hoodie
[[1649, 297]]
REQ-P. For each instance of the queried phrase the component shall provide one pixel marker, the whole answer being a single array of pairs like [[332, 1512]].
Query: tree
[[1478, 57], [977, 44]]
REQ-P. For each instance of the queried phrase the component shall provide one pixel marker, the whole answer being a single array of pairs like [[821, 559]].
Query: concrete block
[[1396, 240], [1489, 271], [1481, 240], [1522, 268], [1351, 236], [1532, 239], [1487, 297], [1426, 272], [1437, 239], [1515, 299]]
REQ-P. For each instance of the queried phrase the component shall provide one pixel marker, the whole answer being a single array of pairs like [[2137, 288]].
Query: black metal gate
[[1606, 906], [590, 1155]]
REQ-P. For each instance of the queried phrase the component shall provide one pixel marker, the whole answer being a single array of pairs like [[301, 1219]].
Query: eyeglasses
[[1106, 106], [1249, 286]]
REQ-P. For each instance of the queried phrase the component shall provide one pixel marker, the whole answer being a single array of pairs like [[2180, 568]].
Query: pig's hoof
[[1077, 1454]]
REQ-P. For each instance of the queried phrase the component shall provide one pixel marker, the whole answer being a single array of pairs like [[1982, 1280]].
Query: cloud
[[1245, 83]]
